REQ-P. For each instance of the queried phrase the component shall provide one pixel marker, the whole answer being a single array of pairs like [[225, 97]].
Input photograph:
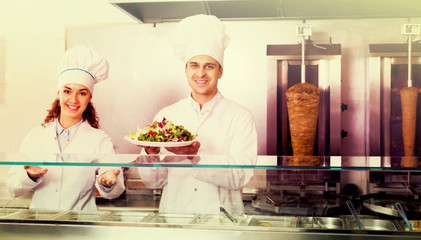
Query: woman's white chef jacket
[[225, 130], [64, 187]]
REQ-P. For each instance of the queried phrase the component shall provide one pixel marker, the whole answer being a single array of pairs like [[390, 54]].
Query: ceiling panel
[[148, 11]]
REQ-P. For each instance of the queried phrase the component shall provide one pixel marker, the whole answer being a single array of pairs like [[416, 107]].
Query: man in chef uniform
[[69, 134], [224, 129]]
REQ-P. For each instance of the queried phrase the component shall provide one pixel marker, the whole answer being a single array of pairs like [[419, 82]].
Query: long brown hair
[[89, 114]]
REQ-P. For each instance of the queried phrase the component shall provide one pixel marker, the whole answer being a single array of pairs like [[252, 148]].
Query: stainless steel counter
[[41, 224]]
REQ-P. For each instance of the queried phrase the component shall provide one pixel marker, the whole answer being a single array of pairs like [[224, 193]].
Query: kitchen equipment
[[354, 214], [172, 218], [374, 225], [35, 214], [409, 100], [8, 212], [273, 221], [83, 216], [315, 219], [127, 216], [403, 215], [303, 109], [320, 222], [227, 214], [381, 209], [323, 69], [389, 74], [215, 219], [416, 225]]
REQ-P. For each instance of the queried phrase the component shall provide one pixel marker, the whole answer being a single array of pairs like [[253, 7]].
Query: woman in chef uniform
[[69, 133], [226, 133]]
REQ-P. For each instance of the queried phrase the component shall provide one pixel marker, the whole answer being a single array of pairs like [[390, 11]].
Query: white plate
[[159, 144]]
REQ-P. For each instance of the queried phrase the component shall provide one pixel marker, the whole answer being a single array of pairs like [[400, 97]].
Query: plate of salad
[[161, 134]]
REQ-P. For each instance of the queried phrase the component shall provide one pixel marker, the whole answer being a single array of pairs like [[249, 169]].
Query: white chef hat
[[200, 35], [82, 65]]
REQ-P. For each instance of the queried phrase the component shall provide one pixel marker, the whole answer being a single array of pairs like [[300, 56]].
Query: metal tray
[[6, 213], [415, 224], [387, 210], [221, 219], [34, 214], [273, 221], [375, 224], [81, 216], [320, 222], [127, 216], [171, 218]]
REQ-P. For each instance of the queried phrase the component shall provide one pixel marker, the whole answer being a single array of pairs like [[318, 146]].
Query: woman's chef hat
[[200, 35], [83, 66]]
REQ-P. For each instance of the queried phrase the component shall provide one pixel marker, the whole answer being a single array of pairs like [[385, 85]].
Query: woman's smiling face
[[74, 99]]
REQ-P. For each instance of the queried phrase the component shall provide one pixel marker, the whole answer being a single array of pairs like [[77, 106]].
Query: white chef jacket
[[64, 187], [223, 128]]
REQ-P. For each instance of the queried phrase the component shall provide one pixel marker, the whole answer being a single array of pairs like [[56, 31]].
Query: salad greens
[[164, 131]]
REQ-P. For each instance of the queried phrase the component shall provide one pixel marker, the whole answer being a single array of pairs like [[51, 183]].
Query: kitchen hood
[[154, 11]]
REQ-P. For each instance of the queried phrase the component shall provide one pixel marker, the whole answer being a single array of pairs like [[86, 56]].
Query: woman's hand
[[109, 178], [35, 172]]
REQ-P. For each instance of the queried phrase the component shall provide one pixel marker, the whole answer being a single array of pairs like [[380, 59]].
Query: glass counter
[[296, 202]]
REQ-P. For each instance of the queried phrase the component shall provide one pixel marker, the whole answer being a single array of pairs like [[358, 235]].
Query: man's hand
[[109, 178], [35, 172], [152, 150], [191, 149]]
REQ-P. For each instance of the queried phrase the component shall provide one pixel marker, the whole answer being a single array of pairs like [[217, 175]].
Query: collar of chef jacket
[[207, 107], [63, 136]]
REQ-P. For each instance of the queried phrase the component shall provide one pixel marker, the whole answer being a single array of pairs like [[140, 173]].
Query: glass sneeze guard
[[363, 163]]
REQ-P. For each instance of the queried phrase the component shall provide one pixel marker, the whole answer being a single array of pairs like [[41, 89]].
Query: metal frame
[[379, 102], [330, 115]]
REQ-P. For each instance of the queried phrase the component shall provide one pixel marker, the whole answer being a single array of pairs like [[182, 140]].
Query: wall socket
[[410, 29], [303, 30]]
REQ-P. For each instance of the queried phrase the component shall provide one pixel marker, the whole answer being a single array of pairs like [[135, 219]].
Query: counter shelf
[[292, 202]]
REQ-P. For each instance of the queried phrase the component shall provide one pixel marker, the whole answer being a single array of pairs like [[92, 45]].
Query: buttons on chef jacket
[[195, 189]]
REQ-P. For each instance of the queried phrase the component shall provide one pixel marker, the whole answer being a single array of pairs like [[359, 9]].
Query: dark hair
[[89, 114]]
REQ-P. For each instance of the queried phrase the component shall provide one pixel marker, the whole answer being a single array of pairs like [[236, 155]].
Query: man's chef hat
[[83, 66], [200, 35]]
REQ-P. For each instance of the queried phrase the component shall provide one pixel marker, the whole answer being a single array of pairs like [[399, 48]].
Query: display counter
[[280, 201]]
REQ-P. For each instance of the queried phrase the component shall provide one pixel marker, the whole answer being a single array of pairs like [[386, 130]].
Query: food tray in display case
[[33, 214], [171, 218], [6, 213], [82, 216], [221, 219], [127, 217], [374, 225], [415, 224], [320, 222], [272, 221]]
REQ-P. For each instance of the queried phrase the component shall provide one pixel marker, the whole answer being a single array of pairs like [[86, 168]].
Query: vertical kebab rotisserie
[[303, 108], [409, 97]]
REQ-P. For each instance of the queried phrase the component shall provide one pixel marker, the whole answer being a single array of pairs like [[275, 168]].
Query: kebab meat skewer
[[409, 97], [303, 108]]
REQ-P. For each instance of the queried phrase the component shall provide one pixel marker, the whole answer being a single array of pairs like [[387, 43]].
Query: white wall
[[33, 39], [144, 74]]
